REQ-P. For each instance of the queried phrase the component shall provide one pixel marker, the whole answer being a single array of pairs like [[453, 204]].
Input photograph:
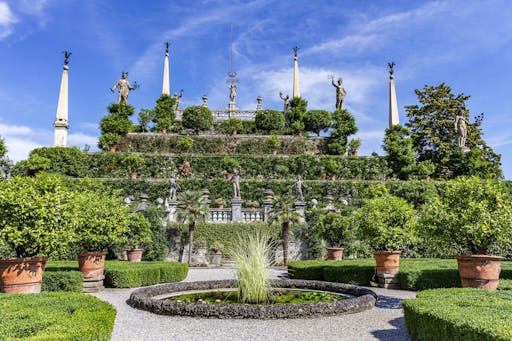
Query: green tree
[[145, 117], [163, 114], [3, 148], [317, 121], [284, 213], [294, 116], [191, 210], [433, 133], [401, 156], [158, 247], [5, 163], [115, 124], [344, 125], [269, 121], [197, 117]]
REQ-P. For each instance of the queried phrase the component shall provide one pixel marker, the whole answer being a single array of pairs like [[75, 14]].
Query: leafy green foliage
[[294, 116], [229, 164], [119, 274], [163, 113], [140, 230], [133, 162], [344, 125], [465, 314], [472, 215], [56, 316], [35, 165], [272, 143], [334, 228], [146, 116], [3, 148], [284, 213], [191, 210], [115, 124], [387, 223], [317, 121], [62, 281], [432, 129], [269, 121], [197, 117], [157, 247], [401, 156], [233, 125]]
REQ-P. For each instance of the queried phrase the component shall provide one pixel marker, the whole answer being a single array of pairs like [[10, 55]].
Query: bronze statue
[[124, 88], [461, 128], [67, 54], [286, 100], [340, 92], [391, 65], [167, 47]]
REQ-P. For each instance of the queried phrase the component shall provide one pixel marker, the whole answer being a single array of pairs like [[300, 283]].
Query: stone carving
[[232, 93], [177, 99], [391, 65], [236, 185], [259, 100], [340, 92], [205, 98], [286, 100], [124, 88], [461, 128], [298, 188], [67, 54], [173, 188]]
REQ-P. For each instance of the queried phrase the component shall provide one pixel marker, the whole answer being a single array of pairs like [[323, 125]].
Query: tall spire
[[61, 121], [393, 106], [166, 83], [296, 90]]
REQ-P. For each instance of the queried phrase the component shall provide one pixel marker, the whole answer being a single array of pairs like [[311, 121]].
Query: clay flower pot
[[479, 271], [388, 262], [133, 175], [112, 149], [91, 264], [134, 255], [334, 253], [21, 275]]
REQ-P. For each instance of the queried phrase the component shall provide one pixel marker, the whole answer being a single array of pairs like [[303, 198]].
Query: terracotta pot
[[274, 151], [479, 271], [388, 262], [112, 149], [134, 255], [133, 175], [163, 130], [334, 253], [333, 177], [234, 133], [220, 205], [91, 263], [21, 275]]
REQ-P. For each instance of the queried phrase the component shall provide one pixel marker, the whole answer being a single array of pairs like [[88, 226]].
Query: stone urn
[[22, 275], [479, 271]]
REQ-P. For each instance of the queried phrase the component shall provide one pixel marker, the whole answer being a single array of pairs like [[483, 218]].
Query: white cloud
[[80, 140], [7, 20]]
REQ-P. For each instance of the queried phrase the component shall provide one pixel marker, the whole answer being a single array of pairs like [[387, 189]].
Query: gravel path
[[384, 322]]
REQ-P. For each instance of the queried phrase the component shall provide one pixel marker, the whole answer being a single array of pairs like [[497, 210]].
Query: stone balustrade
[[225, 114]]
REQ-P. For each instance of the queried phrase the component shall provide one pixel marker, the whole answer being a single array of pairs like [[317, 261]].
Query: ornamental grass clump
[[250, 253]]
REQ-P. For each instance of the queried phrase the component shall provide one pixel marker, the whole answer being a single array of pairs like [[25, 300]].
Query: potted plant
[[472, 218], [110, 141], [252, 204], [388, 224], [140, 233], [332, 167], [133, 163], [353, 146], [103, 222], [232, 126], [185, 144], [220, 202], [333, 228], [229, 165], [36, 222], [273, 143], [216, 253]]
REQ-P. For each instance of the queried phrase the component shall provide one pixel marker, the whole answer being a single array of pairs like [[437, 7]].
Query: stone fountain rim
[[146, 299]]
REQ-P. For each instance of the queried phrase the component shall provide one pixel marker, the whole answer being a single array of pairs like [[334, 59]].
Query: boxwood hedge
[[62, 281], [55, 316], [459, 314]]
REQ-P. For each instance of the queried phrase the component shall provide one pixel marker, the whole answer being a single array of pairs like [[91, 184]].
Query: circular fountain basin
[[153, 299]]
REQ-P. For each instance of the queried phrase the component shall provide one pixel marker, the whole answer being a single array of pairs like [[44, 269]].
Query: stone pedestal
[[93, 284], [231, 107], [171, 217], [215, 259], [236, 210], [388, 281], [267, 209], [299, 207]]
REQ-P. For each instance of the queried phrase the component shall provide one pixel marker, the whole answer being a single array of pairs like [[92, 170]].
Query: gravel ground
[[384, 322]]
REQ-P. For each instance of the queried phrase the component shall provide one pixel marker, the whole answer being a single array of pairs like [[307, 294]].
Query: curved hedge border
[[55, 316], [122, 274], [415, 273], [143, 299], [459, 314]]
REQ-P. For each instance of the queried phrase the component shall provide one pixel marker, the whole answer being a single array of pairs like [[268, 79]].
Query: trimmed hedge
[[459, 314], [55, 316], [62, 281], [120, 274], [415, 273]]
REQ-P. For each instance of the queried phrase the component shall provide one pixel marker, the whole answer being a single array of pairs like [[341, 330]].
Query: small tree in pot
[[140, 233], [333, 228], [474, 216], [133, 163], [388, 224]]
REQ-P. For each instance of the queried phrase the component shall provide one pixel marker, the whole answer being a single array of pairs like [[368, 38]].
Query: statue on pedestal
[[340, 92], [67, 54], [173, 188], [177, 99], [286, 100], [232, 92], [298, 188], [124, 88], [236, 184], [461, 128]]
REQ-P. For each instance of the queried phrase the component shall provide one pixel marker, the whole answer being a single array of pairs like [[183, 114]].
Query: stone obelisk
[[393, 106], [61, 122], [296, 89], [166, 87]]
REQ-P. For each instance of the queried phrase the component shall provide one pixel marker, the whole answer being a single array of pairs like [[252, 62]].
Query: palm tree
[[285, 214], [191, 209]]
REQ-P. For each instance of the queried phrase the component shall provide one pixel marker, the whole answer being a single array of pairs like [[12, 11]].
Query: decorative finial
[[67, 54], [166, 47], [391, 65], [295, 49]]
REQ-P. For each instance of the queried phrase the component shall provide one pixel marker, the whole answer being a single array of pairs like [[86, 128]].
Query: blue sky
[[467, 44]]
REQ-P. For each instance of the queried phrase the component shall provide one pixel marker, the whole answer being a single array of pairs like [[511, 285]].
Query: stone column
[[296, 90], [259, 100], [61, 121], [393, 106], [267, 203], [236, 210], [166, 86], [171, 216], [299, 207]]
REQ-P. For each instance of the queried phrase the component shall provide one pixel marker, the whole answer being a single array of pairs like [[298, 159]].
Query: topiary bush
[[269, 121], [120, 274], [55, 316], [62, 281], [197, 117], [464, 314]]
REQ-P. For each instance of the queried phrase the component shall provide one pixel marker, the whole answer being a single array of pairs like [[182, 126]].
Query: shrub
[[197, 117], [62, 281], [68, 161], [158, 247], [273, 143], [133, 162], [163, 114], [56, 316], [115, 124], [185, 144], [229, 164], [344, 125], [119, 274], [233, 125], [333, 227], [269, 121], [465, 314], [317, 121], [140, 230]]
